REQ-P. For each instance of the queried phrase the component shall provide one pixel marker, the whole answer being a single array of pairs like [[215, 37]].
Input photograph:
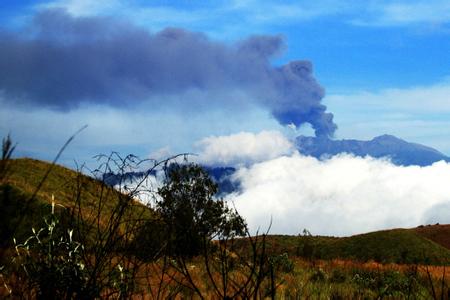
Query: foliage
[[282, 263], [191, 213], [51, 264], [318, 275], [101, 220], [385, 283], [338, 275]]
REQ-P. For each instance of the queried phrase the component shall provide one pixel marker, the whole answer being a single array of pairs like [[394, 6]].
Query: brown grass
[[439, 234]]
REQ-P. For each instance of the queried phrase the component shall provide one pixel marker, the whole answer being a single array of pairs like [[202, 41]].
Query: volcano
[[398, 151]]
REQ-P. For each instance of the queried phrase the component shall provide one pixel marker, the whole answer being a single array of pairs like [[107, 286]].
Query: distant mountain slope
[[398, 150], [220, 175], [386, 246]]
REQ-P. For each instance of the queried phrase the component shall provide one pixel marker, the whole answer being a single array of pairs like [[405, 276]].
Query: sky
[[156, 78]]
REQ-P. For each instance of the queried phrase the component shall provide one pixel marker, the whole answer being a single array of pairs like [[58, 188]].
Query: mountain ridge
[[399, 151]]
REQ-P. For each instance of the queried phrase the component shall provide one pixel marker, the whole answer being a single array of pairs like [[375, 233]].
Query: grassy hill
[[71, 191], [387, 246], [439, 234], [63, 183]]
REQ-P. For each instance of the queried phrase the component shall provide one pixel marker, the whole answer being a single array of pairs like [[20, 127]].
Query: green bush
[[282, 263], [386, 283], [338, 275], [51, 264], [318, 275]]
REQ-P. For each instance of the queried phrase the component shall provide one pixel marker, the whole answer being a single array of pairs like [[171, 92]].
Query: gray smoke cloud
[[60, 61]]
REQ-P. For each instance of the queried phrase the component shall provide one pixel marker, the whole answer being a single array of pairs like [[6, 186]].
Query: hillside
[[439, 234], [27, 173], [72, 191], [388, 246]]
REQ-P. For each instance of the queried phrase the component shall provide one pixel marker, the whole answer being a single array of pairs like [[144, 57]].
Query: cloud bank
[[342, 195], [243, 148], [61, 61]]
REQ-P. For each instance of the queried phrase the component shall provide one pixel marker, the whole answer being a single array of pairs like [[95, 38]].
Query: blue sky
[[384, 66]]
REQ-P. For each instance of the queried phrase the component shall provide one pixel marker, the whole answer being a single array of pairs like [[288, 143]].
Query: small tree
[[190, 211]]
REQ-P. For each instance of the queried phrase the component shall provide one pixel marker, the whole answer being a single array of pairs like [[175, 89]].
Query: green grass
[[404, 246], [437, 233], [390, 246], [69, 188], [63, 183]]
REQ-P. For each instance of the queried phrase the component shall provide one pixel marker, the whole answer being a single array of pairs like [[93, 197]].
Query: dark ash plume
[[63, 61]]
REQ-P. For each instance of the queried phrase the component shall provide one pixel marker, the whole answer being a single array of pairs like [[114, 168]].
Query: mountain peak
[[399, 151], [386, 137]]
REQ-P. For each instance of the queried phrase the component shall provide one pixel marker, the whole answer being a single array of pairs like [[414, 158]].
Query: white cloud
[[243, 148], [291, 11], [360, 13], [144, 189], [257, 13], [253, 10], [439, 213], [403, 13], [161, 153], [85, 7], [341, 196]]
